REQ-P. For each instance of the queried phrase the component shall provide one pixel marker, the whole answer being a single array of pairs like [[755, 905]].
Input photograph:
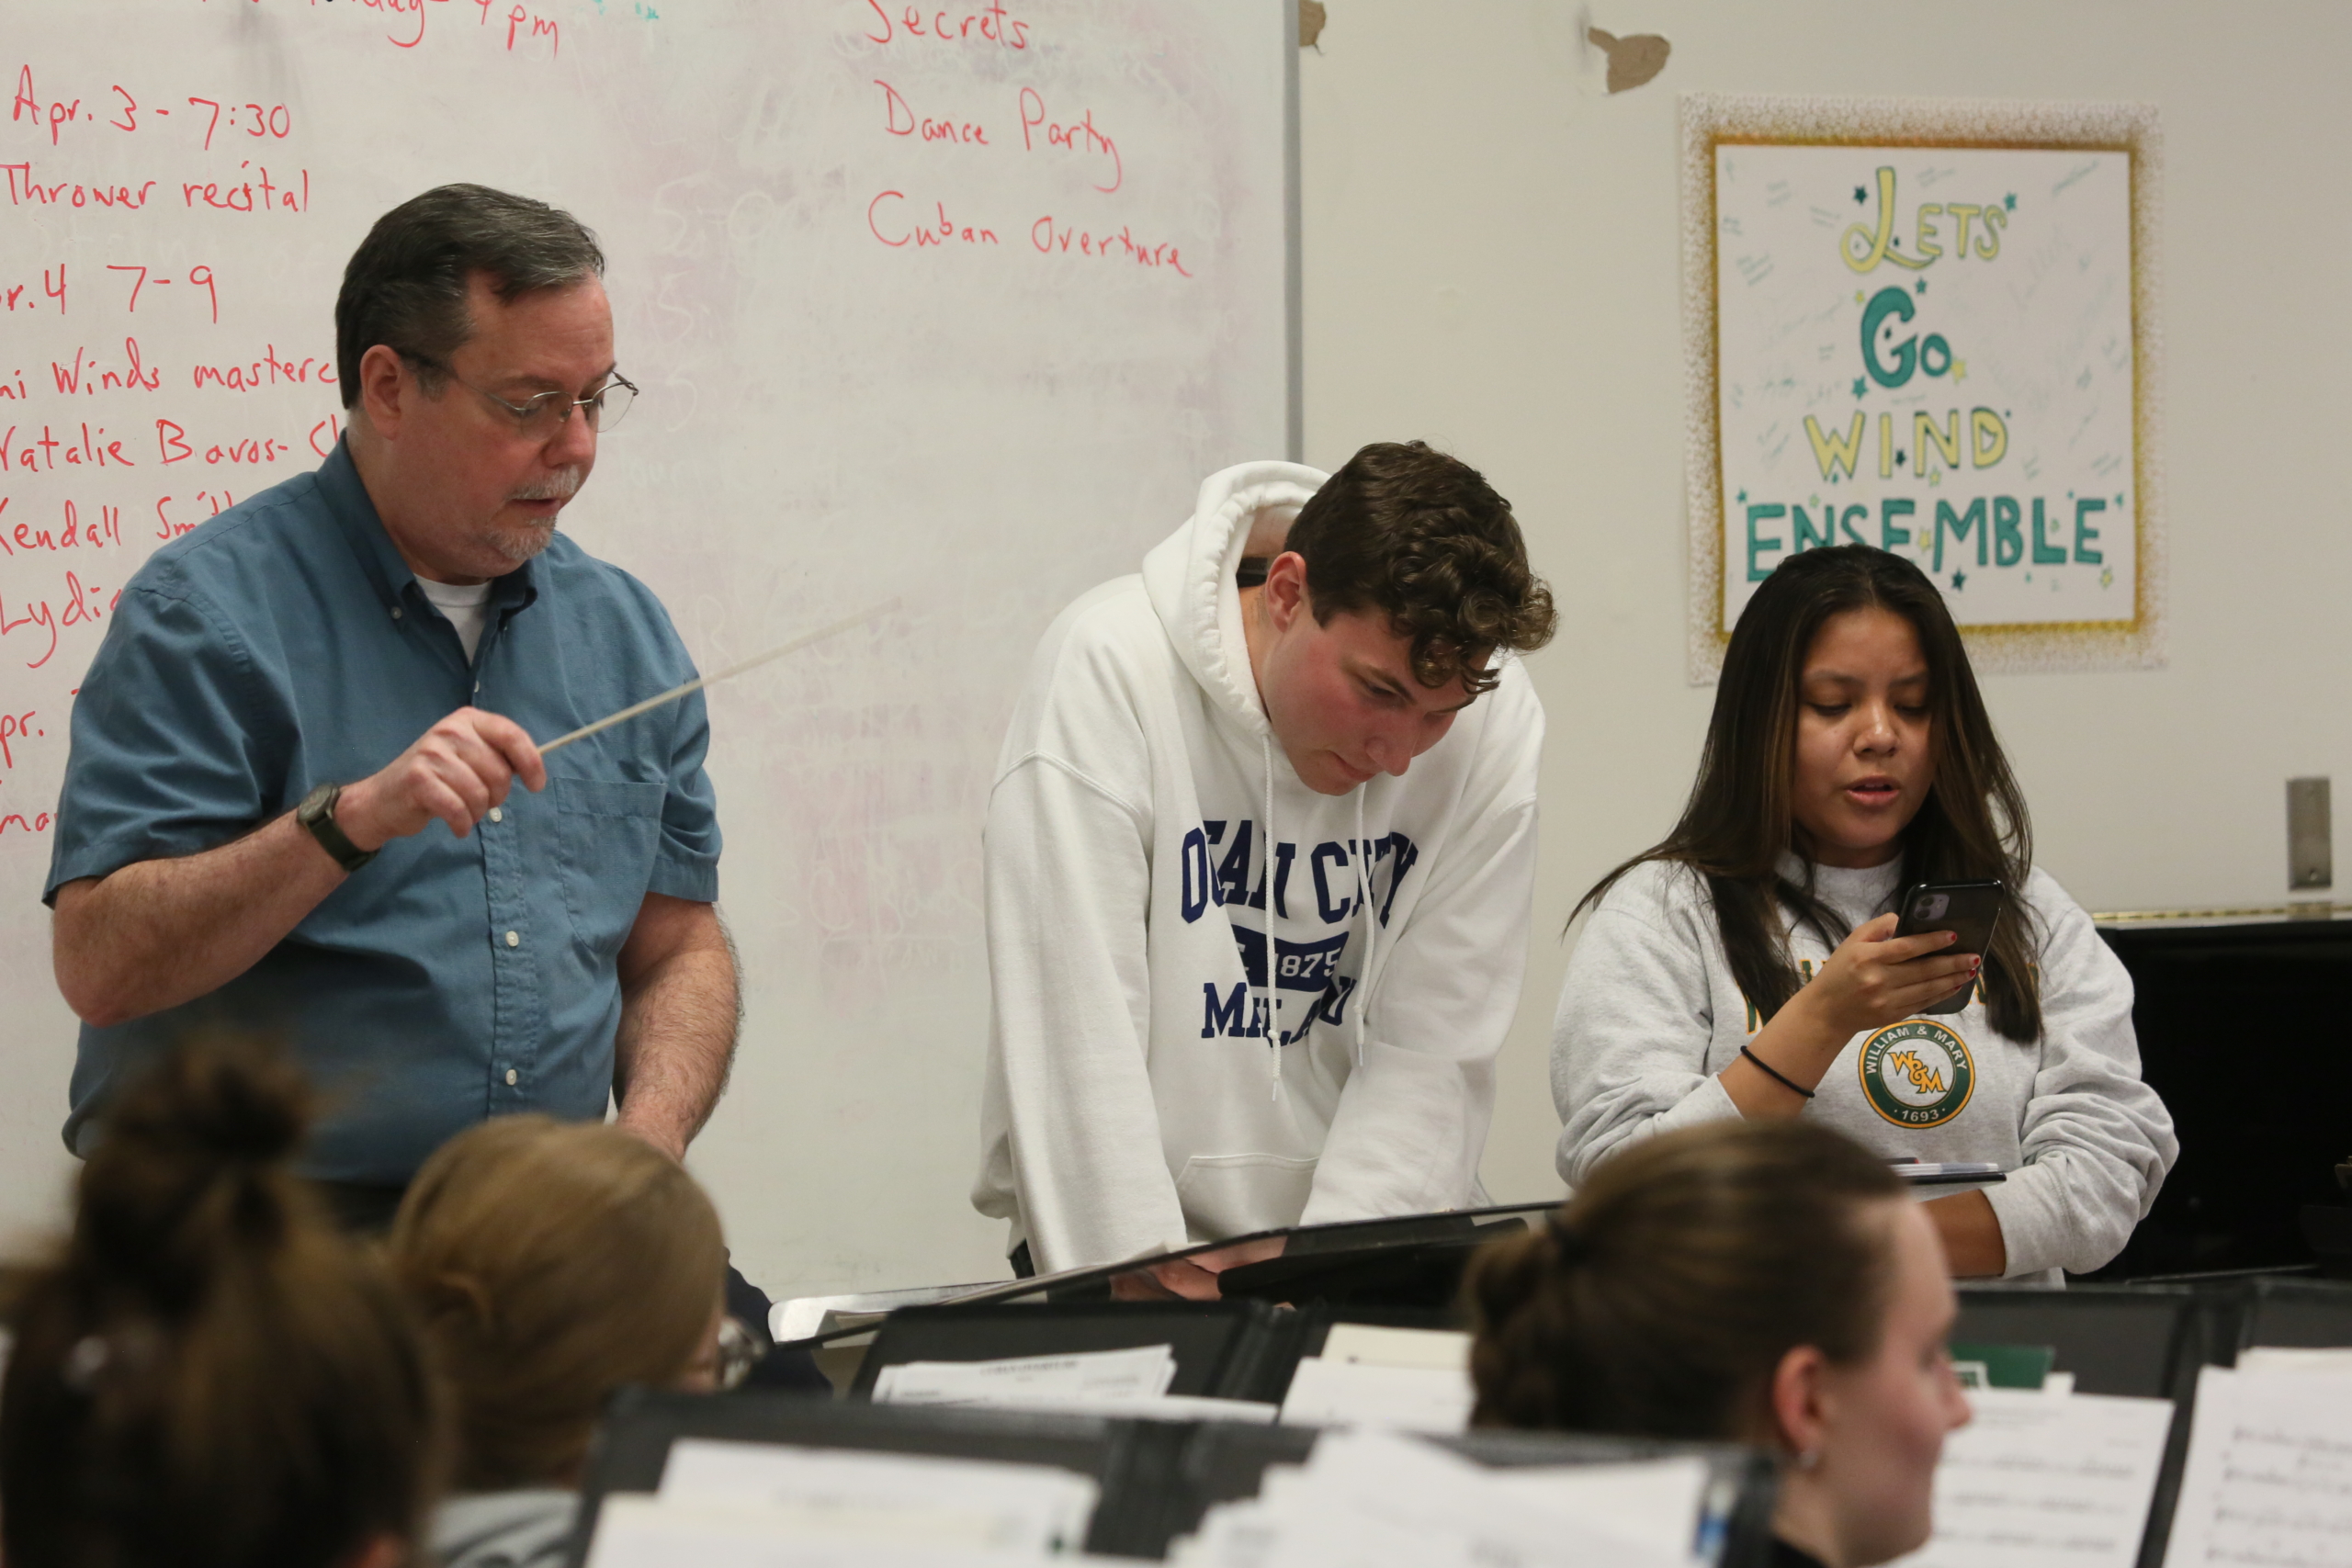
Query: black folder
[[2299, 1312], [1233, 1349], [1408, 1262], [2143, 1340], [1414, 1263]]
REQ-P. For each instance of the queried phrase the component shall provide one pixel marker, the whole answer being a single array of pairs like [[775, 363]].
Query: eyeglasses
[[541, 418]]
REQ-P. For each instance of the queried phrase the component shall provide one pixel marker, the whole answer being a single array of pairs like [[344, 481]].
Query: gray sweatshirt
[[1650, 1014]]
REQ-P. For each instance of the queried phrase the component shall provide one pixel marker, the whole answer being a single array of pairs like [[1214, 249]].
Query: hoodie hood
[[1190, 579], [1189, 576]]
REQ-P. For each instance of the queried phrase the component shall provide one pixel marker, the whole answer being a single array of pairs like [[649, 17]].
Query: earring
[[1808, 1458]]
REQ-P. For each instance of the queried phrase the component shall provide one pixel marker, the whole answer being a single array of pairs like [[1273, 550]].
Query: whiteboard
[[954, 303]]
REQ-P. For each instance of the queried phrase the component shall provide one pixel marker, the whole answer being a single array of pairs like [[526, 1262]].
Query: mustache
[[562, 485]]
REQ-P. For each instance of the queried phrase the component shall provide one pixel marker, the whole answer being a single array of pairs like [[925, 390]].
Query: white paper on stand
[[1130, 1407], [1324, 1393], [1031, 1509], [2282, 1358], [2041, 1481], [1144, 1373], [637, 1531], [1445, 1348], [1654, 1502], [1376, 1500], [2270, 1473]]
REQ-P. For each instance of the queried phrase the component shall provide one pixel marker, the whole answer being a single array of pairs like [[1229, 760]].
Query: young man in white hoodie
[[1352, 700]]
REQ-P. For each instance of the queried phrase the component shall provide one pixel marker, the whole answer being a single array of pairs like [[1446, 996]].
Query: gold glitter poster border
[[1714, 119]]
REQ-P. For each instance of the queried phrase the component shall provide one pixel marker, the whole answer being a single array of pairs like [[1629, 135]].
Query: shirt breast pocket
[[607, 833]]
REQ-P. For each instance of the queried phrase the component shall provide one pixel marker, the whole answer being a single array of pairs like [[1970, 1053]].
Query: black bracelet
[[1760, 1067]]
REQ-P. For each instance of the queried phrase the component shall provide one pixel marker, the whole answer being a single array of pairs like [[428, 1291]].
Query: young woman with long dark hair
[[1747, 966]]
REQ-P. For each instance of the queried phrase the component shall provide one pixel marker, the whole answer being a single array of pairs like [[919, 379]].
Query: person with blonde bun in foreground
[[552, 1263], [208, 1374], [1768, 1282]]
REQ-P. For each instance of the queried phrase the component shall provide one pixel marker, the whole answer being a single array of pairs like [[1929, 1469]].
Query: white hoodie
[[1133, 1101]]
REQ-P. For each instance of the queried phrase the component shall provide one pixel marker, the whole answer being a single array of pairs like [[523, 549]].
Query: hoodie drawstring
[[1274, 992], [1366, 901], [1371, 923]]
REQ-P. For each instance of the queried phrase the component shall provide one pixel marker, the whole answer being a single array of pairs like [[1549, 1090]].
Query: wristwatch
[[316, 814]]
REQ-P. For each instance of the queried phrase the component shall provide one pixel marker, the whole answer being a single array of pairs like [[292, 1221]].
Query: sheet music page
[[2269, 1483], [840, 1492], [637, 1531], [2046, 1481], [2282, 1358], [1376, 1500], [1117, 1375], [1349, 1394], [1120, 1407], [1656, 1502], [1378, 1345]]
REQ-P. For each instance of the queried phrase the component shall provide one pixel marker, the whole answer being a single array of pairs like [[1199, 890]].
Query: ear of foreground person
[[552, 1263], [205, 1373], [1766, 1282]]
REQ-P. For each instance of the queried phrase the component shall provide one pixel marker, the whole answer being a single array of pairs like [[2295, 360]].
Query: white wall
[[1492, 262]]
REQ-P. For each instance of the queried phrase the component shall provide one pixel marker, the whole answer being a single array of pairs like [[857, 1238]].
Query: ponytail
[[1520, 1359], [1661, 1300], [207, 1373]]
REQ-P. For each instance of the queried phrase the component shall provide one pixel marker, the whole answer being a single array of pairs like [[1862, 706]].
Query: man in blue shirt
[[290, 802]]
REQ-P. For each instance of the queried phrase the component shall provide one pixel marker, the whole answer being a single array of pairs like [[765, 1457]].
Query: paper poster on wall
[[1930, 328]]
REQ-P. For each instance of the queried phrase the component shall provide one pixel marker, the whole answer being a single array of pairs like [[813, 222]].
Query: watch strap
[[316, 814]]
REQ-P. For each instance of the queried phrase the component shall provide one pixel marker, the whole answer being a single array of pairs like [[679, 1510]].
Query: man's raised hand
[[456, 770]]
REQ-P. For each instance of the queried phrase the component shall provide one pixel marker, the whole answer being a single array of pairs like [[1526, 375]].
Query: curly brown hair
[[1421, 537]]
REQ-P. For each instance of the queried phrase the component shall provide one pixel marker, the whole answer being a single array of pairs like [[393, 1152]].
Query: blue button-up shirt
[[284, 644]]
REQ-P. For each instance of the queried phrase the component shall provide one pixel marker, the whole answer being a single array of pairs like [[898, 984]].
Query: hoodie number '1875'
[[1146, 837]]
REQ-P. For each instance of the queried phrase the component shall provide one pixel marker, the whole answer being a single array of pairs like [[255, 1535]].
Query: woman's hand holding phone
[[1874, 978]]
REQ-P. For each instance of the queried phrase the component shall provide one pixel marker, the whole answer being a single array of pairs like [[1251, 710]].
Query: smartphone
[[1967, 909]]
